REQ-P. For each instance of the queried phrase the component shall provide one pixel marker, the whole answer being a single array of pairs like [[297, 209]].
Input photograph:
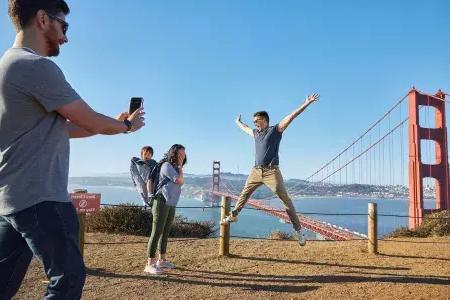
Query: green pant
[[163, 216]]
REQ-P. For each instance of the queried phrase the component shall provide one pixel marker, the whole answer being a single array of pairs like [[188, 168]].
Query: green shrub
[[280, 235], [436, 224], [401, 232], [124, 219], [440, 227], [183, 227], [128, 219]]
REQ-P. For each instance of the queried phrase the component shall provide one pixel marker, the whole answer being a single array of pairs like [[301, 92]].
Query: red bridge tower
[[419, 170]]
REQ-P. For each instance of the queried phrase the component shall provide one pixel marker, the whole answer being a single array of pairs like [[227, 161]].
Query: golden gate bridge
[[406, 147]]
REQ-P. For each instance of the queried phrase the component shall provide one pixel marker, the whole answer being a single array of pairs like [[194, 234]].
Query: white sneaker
[[301, 237], [165, 264], [153, 269], [229, 219]]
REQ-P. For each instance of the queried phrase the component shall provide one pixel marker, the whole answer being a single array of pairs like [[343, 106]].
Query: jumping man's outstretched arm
[[289, 118], [243, 126]]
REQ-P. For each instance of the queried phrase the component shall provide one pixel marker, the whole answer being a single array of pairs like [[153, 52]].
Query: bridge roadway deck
[[328, 231]]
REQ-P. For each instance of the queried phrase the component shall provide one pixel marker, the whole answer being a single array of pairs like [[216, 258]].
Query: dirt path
[[405, 269]]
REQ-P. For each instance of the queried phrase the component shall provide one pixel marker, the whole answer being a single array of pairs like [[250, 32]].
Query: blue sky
[[198, 64]]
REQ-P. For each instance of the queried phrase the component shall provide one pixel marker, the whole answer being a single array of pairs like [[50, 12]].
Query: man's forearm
[[289, 118], [82, 115], [107, 125], [102, 125], [242, 125], [298, 111], [245, 128], [76, 131]]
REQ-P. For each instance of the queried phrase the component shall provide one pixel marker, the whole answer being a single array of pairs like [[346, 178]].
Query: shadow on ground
[[290, 261], [183, 277], [277, 283]]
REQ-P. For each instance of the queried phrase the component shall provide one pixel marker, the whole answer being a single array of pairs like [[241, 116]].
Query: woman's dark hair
[[23, 11], [262, 114], [172, 155], [146, 149]]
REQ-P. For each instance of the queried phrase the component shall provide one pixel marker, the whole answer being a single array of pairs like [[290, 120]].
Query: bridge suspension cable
[[367, 159], [359, 138], [376, 158]]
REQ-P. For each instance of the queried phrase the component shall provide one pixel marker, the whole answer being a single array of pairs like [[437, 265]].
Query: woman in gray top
[[167, 195]]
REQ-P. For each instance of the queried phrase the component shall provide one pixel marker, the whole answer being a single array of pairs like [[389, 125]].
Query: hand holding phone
[[134, 118], [135, 103]]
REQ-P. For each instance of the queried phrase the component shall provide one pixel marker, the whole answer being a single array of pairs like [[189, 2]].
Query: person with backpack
[[141, 171], [167, 192]]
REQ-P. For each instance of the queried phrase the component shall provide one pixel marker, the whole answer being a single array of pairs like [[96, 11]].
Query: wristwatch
[[128, 124]]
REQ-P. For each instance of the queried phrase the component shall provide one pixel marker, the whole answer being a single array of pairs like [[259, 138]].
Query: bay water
[[253, 223]]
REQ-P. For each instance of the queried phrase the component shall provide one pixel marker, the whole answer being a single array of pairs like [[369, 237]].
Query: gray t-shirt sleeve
[[169, 171], [48, 85]]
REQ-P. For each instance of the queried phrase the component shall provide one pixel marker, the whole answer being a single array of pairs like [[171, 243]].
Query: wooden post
[[224, 249], [82, 221], [372, 242]]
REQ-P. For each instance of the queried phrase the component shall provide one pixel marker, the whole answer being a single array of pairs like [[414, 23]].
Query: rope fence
[[282, 211], [224, 237], [146, 206], [285, 240]]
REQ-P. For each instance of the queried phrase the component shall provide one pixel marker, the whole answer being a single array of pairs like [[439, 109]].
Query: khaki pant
[[273, 179]]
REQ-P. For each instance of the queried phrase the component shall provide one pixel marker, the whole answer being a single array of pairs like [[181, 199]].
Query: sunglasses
[[64, 24]]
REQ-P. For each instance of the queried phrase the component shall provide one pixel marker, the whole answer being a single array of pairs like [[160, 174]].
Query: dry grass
[[405, 269]]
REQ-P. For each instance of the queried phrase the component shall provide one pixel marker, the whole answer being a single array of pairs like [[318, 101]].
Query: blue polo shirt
[[267, 144]]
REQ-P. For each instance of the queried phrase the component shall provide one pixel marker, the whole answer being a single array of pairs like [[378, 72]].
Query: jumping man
[[266, 171]]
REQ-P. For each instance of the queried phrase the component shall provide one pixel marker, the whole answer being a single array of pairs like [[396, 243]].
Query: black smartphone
[[135, 103]]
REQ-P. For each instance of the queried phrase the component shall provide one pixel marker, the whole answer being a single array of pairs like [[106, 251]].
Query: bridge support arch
[[419, 170], [215, 180]]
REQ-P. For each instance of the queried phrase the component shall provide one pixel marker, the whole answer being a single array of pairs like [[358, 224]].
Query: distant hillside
[[196, 185]]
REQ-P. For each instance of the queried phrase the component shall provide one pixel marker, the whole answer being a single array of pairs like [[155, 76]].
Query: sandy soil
[[405, 269]]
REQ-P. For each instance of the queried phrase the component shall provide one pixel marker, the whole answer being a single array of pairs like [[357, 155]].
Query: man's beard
[[52, 46]]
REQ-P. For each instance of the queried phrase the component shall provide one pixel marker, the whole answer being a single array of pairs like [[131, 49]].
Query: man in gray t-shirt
[[39, 112], [266, 171]]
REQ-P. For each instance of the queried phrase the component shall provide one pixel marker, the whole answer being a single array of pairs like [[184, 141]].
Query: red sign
[[86, 202]]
